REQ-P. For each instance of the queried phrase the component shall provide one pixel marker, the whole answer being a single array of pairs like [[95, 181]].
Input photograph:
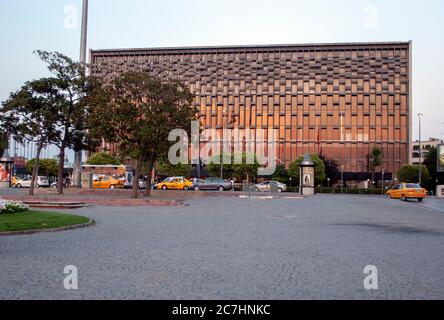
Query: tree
[[331, 170], [431, 162], [241, 171], [165, 168], [103, 158], [137, 112], [410, 173], [294, 169], [375, 161], [30, 114], [4, 142], [46, 167], [280, 174], [71, 87]]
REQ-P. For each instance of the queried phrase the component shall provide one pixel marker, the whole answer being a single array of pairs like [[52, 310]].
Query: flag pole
[[77, 172]]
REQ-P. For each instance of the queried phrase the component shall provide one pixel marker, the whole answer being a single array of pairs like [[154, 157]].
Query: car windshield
[[412, 186], [168, 180], [43, 178]]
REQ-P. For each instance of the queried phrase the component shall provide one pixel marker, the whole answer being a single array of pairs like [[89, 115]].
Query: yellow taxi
[[405, 191], [107, 182], [174, 183]]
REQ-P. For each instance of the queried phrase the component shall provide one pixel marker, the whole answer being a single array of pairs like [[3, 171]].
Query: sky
[[54, 25]]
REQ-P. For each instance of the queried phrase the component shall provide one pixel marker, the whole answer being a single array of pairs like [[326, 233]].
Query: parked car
[[107, 182], [268, 186], [212, 184], [174, 183], [405, 191], [40, 182]]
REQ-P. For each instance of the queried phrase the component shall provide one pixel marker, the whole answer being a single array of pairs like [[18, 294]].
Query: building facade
[[338, 100], [425, 146]]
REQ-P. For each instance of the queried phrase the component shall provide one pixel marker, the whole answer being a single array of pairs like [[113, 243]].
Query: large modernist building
[[340, 100]]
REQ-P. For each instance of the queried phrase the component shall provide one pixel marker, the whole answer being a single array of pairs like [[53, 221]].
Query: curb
[[88, 202], [49, 230]]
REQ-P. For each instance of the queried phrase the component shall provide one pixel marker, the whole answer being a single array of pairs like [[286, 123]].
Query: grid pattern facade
[[339, 100]]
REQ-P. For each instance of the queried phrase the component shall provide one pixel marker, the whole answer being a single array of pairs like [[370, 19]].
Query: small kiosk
[[306, 176], [6, 165]]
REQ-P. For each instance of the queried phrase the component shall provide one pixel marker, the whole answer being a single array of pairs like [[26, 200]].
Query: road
[[228, 248]]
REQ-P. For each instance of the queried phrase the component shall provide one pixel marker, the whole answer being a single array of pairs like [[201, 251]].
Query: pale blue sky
[[45, 24]]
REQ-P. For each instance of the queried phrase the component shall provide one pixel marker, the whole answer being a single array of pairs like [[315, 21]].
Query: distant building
[[425, 146], [338, 100]]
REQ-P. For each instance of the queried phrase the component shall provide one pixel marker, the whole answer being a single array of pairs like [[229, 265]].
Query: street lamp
[[420, 149], [328, 182]]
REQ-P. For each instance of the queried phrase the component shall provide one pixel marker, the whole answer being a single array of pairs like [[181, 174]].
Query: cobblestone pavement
[[227, 248]]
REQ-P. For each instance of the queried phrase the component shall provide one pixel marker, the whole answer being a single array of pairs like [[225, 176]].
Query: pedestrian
[[232, 184]]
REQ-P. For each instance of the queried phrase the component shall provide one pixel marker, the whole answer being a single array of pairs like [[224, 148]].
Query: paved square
[[228, 248]]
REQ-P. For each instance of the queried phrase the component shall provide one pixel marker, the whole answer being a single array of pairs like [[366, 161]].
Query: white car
[[41, 182]]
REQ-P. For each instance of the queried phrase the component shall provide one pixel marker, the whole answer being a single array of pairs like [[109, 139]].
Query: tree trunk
[[35, 169], [150, 170], [60, 181], [135, 194]]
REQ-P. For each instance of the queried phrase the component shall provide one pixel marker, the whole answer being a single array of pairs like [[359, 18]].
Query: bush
[[11, 207], [372, 191]]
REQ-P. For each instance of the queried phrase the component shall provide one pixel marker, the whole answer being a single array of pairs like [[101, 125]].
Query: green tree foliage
[[46, 167], [30, 114], [375, 160], [431, 162], [281, 174], [103, 158], [51, 110], [71, 87], [293, 169], [331, 171], [241, 171], [137, 112], [410, 173], [167, 169]]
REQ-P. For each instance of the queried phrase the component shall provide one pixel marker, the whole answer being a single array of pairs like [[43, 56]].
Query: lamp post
[[420, 149], [328, 182], [77, 170], [290, 181]]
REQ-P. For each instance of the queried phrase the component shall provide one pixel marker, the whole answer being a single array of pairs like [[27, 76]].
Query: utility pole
[[420, 149], [77, 172]]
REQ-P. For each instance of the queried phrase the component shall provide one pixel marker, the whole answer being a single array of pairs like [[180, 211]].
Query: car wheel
[[186, 188], [389, 195], [420, 199], [196, 188], [280, 190], [18, 185], [403, 198], [221, 188], [164, 188], [112, 186]]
